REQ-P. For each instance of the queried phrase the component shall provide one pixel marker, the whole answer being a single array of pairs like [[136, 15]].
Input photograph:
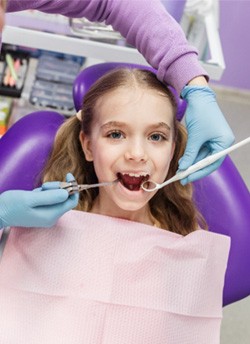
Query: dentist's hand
[[208, 130], [37, 208]]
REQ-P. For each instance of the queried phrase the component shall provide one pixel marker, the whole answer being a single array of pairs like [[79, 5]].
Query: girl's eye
[[115, 135], [157, 137]]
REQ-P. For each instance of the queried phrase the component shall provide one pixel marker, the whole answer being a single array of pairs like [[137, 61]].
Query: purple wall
[[235, 39], [175, 8]]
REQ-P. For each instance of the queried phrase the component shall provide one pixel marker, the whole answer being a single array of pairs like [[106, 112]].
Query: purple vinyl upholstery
[[24, 149], [224, 201], [222, 197], [89, 75]]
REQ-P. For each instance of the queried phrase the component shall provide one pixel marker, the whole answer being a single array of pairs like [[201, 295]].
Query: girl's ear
[[86, 146]]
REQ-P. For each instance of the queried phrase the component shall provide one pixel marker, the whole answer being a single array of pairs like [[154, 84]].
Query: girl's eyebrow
[[161, 125], [116, 124], [112, 124]]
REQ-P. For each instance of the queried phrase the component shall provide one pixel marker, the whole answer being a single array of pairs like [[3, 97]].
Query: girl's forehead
[[133, 96], [134, 104]]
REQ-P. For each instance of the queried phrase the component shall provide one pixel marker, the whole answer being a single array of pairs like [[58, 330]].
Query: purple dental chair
[[222, 197]]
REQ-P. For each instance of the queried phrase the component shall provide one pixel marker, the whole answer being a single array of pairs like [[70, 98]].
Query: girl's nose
[[136, 151]]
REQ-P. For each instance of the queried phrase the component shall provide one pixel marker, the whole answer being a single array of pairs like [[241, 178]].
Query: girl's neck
[[143, 215]]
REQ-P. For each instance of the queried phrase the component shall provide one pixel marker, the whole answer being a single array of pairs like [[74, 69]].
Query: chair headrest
[[91, 74]]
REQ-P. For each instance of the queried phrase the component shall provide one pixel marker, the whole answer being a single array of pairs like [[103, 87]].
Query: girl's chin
[[129, 200], [119, 200]]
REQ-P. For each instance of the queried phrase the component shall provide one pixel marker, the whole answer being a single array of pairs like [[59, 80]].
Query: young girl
[[128, 266], [127, 126]]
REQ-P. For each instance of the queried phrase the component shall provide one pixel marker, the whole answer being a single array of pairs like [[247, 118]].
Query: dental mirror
[[150, 185]]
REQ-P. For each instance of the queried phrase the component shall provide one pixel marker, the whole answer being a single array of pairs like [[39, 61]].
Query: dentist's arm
[[159, 38], [145, 24]]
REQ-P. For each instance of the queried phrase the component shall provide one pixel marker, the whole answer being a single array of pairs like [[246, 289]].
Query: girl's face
[[131, 139]]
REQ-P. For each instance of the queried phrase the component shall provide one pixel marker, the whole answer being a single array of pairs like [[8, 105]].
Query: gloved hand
[[37, 208], [208, 130]]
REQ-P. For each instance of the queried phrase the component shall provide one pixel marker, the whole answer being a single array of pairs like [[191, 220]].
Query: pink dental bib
[[94, 279]]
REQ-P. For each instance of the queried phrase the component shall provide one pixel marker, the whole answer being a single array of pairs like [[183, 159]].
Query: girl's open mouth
[[132, 181]]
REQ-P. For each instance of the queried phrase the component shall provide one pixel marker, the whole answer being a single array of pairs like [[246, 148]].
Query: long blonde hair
[[174, 207]]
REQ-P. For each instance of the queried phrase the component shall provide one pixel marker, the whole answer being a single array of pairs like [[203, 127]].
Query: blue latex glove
[[208, 130], [37, 208]]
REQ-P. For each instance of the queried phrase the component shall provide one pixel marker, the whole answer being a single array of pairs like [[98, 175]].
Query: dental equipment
[[73, 187], [150, 186]]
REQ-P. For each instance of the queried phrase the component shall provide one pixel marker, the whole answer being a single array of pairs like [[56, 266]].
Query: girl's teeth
[[137, 175]]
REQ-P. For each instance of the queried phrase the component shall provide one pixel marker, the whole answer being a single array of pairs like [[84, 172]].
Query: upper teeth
[[143, 174]]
